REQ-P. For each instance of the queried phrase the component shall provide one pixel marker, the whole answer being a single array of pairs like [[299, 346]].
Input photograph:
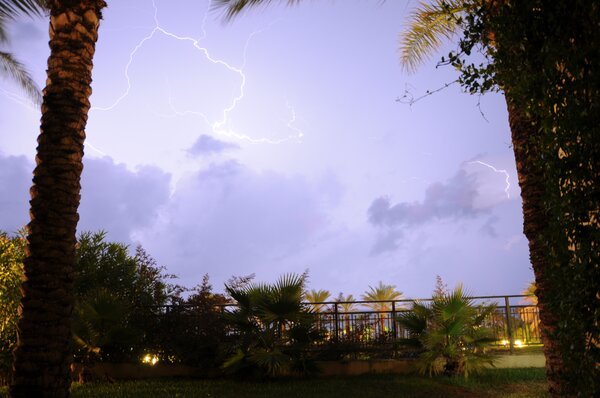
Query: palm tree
[[316, 297], [440, 19], [431, 22], [451, 333], [530, 292], [9, 66], [346, 303], [380, 299], [48, 301]]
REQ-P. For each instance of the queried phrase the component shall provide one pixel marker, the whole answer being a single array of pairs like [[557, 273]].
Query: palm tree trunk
[[535, 222], [42, 357]]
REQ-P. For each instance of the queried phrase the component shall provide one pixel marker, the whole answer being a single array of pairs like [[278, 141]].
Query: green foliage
[[429, 24], [116, 295], [192, 331], [9, 66], [451, 334], [101, 329], [12, 253], [546, 57], [273, 328]]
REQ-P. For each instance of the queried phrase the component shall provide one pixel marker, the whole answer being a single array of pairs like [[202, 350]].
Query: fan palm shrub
[[450, 331], [273, 328]]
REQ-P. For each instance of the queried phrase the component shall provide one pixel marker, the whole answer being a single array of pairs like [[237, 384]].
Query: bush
[[12, 253], [114, 292], [450, 333], [272, 327], [192, 331]]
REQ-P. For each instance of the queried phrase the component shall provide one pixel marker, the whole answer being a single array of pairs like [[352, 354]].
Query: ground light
[[150, 359]]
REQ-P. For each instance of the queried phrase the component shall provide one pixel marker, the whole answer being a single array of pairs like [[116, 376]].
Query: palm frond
[[11, 9], [429, 25], [14, 69], [3, 33], [234, 7]]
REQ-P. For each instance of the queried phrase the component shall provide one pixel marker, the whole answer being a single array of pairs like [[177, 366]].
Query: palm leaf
[[14, 69], [274, 362], [234, 7], [429, 25], [11, 9]]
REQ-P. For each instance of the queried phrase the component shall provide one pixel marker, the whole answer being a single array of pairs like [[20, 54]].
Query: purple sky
[[275, 144]]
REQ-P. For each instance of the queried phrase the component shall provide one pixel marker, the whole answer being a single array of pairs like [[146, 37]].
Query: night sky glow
[[275, 144]]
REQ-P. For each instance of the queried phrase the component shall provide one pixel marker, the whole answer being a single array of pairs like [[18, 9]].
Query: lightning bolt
[[219, 126], [496, 171]]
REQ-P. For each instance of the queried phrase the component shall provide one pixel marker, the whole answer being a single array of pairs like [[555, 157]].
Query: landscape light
[[150, 359]]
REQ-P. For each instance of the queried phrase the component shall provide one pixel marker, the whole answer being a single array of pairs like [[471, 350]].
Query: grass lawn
[[510, 383]]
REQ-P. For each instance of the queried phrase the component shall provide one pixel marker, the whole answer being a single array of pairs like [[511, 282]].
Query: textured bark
[[535, 222], [42, 356]]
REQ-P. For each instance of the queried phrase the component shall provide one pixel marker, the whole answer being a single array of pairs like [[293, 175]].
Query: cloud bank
[[228, 219], [207, 145], [455, 199], [113, 198]]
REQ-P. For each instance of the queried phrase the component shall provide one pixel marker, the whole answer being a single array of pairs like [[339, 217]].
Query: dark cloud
[[454, 199], [205, 145], [118, 200], [15, 181], [113, 198]]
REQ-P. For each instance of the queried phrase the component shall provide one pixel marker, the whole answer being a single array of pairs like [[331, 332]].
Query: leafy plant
[[273, 328], [451, 334], [12, 252], [101, 330], [192, 331]]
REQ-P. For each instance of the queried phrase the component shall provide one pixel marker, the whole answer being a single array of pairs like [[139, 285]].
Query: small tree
[[193, 331], [451, 333]]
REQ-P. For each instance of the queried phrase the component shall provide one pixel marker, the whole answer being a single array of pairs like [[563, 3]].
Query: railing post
[[337, 324], [394, 330], [509, 330]]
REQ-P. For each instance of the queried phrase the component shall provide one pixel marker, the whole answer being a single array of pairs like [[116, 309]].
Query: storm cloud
[[118, 200], [206, 145], [455, 199], [113, 198], [228, 219]]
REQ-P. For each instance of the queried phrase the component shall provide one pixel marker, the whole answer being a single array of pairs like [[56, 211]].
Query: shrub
[[272, 329], [450, 332], [192, 331], [12, 252]]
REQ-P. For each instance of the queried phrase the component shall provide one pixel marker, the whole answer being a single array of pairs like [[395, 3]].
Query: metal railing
[[373, 325], [514, 322]]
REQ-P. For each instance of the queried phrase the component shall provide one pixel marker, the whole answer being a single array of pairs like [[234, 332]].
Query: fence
[[372, 324]]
